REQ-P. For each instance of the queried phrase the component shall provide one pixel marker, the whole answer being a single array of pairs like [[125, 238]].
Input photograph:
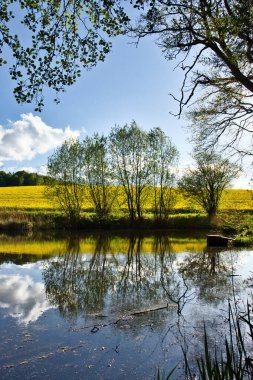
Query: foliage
[[99, 175], [58, 38], [212, 40], [129, 150], [66, 178], [21, 178], [130, 160], [163, 156], [142, 164], [244, 236], [206, 183]]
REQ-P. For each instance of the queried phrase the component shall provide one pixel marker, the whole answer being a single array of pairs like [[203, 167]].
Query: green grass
[[234, 360]]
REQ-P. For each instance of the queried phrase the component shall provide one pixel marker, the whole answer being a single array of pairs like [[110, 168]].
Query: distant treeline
[[21, 178]]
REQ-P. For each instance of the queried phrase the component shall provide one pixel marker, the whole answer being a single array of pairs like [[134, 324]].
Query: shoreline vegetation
[[235, 217]]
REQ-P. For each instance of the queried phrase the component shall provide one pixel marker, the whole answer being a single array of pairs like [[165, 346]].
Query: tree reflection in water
[[121, 282], [125, 279], [210, 273], [173, 284], [76, 283]]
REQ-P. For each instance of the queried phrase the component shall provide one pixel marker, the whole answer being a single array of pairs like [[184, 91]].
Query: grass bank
[[238, 225], [25, 222]]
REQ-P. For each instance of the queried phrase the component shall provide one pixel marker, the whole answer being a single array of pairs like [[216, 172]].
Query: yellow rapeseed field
[[24, 197], [33, 198], [234, 199]]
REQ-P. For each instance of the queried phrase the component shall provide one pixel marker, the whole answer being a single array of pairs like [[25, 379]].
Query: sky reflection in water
[[81, 313]]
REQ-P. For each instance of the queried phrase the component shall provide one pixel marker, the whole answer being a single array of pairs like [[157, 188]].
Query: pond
[[113, 307]]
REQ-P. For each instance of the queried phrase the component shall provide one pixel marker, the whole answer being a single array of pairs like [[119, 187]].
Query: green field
[[32, 198]]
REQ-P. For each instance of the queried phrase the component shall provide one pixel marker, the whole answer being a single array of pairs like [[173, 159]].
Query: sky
[[133, 83]]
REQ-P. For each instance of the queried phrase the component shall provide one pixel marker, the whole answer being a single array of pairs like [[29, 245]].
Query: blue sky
[[132, 84]]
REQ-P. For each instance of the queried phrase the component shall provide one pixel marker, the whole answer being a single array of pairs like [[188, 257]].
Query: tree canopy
[[99, 174], [56, 39], [130, 167], [211, 40], [21, 178], [66, 176], [205, 183]]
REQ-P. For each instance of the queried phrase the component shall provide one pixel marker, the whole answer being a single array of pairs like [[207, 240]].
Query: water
[[107, 307]]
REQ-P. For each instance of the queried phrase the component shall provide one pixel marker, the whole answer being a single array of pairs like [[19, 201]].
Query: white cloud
[[29, 136], [42, 169], [23, 298]]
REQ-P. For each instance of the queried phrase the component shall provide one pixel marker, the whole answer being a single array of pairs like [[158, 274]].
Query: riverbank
[[27, 222], [237, 224]]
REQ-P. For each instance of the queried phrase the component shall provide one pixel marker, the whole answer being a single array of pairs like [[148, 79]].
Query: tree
[[4, 178], [99, 175], [65, 186], [58, 37], [129, 154], [21, 178], [213, 41], [206, 182], [163, 156]]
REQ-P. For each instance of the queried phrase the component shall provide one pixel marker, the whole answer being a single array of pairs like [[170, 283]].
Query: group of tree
[[131, 167], [126, 166], [210, 40], [21, 178]]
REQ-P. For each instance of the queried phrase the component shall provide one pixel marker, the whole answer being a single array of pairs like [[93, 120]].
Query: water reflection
[[129, 280], [94, 276], [89, 283], [77, 283], [111, 286], [210, 273], [22, 296]]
